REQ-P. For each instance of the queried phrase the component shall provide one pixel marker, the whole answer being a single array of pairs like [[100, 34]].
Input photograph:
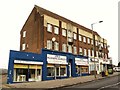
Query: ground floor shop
[[49, 65]]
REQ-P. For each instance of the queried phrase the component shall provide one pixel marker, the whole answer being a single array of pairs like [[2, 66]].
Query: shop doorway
[[70, 67]]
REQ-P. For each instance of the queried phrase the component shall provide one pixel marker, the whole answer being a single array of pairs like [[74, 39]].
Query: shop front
[[82, 67], [56, 66], [27, 71]]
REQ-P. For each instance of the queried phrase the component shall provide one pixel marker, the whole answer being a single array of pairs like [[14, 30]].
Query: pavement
[[59, 83]]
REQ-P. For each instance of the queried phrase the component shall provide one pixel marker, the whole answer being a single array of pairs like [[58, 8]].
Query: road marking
[[109, 86]]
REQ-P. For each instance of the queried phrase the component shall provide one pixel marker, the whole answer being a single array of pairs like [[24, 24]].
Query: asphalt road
[[110, 83]]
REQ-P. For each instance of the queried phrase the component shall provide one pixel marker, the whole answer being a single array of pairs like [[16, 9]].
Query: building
[[54, 37]]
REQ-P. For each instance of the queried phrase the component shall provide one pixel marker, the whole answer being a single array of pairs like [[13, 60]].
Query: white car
[[116, 69]]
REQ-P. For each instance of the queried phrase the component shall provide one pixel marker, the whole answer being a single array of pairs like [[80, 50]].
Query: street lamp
[[94, 46]]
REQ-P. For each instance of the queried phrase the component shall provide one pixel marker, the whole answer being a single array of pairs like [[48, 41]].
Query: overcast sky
[[13, 14]]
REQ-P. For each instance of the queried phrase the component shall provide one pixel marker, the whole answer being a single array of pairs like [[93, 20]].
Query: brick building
[[53, 47]]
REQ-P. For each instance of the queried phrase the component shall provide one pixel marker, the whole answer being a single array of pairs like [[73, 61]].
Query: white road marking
[[109, 86]]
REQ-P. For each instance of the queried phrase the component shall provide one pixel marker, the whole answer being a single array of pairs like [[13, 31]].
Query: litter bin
[[103, 73]]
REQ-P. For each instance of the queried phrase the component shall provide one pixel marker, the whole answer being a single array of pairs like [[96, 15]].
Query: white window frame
[[64, 47], [49, 27], [80, 38], [49, 44], [69, 48], [56, 46], [56, 30], [93, 53], [23, 46], [24, 33], [85, 52], [89, 53], [64, 32], [75, 50], [80, 51], [96, 43], [92, 41], [75, 36], [84, 39], [96, 53], [88, 40]]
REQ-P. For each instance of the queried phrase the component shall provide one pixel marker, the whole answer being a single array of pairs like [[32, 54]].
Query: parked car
[[116, 69]]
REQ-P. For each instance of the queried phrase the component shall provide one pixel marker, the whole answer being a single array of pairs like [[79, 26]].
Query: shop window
[[49, 27], [75, 36], [64, 32], [49, 44], [63, 71], [64, 47], [56, 30], [50, 71]]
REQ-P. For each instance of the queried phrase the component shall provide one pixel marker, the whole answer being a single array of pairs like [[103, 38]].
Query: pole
[[93, 51]]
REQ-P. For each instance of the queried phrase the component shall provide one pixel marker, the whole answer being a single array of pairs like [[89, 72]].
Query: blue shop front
[[49, 65]]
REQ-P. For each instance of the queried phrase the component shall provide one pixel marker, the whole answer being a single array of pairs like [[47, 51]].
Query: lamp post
[[94, 46]]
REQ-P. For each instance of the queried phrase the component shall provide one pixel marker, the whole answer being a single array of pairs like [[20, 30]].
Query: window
[[24, 33], [69, 48], [56, 30], [75, 36], [88, 40], [85, 53], [56, 46], [64, 32], [84, 39], [93, 53], [80, 38], [89, 54], [49, 27], [64, 48], [96, 43], [49, 44], [91, 41], [63, 71], [80, 51], [23, 46], [50, 71], [75, 50], [96, 53]]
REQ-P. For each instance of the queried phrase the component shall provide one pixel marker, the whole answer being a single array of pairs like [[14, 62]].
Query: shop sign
[[27, 62], [56, 59], [80, 61]]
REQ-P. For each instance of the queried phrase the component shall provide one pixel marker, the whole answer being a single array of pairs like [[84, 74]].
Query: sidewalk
[[58, 83]]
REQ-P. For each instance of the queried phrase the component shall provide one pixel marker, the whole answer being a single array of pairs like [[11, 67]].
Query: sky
[[14, 13]]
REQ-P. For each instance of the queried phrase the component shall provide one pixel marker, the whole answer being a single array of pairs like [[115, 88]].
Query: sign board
[[28, 62], [80, 61], [56, 59]]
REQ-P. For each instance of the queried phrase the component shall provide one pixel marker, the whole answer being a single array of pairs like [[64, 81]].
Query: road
[[111, 83]]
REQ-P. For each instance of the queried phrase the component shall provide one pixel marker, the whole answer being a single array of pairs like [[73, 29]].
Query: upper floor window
[[75, 50], [89, 53], [64, 47], [56, 30], [23, 46], [49, 27], [24, 33], [56, 46], [80, 38], [96, 43], [64, 32], [85, 52], [93, 53], [88, 40], [80, 51], [84, 39], [69, 48], [91, 41], [75, 36], [96, 53], [49, 44]]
